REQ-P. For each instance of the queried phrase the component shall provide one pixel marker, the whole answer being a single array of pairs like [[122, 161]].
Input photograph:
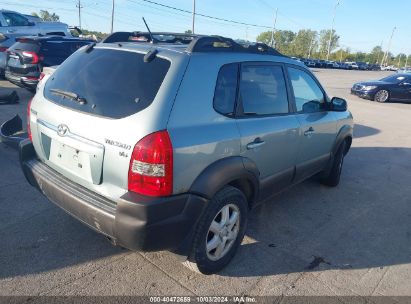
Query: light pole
[[389, 47], [379, 53], [273, 31], [194, 16], [332, 30], [79, 13], [112, 18]]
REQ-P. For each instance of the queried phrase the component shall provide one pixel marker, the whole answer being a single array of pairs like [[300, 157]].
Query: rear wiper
[[70, 95]]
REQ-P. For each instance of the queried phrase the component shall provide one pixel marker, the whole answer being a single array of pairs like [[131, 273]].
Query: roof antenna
[[151, 35]]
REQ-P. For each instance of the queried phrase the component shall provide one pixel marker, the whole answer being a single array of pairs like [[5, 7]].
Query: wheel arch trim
[[224, 172]]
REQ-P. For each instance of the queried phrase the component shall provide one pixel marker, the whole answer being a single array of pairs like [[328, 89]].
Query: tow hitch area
[[11, 132], [11, 98]]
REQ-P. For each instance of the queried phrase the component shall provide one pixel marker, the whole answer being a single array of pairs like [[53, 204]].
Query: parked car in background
[[362, 66], [146, 143], [392, 88], [310, 63], [15, 23], [404, 70], [352, 65], [27, 57], [374, 67], [6, 41], [389, 68], [344, 65]]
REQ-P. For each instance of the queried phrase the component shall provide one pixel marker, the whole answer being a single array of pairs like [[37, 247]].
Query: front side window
[[263, 90], [226, 89], [309, 97], [13, 19]]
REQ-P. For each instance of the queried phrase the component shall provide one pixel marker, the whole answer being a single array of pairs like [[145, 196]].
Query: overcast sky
[[361, 24]]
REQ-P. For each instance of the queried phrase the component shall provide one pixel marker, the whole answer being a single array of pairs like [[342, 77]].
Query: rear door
[[268, 128], [402, 91], [318, 124]]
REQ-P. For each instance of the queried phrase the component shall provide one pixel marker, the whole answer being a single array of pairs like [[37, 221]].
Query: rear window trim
[[98, 115]]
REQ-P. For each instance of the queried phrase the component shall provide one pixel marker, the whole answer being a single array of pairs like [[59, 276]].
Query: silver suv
[[165, 142]]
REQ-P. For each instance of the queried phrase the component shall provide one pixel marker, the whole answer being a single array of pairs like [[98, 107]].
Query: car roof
[[173, 50], [52, 38]]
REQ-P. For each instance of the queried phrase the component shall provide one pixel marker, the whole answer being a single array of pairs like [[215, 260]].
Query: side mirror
[[338, 104]]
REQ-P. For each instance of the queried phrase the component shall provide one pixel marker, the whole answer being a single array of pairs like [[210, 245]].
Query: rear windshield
[[109, 83], [25, 46]]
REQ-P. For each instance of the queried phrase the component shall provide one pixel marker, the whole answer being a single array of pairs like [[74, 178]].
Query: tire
[[213, 230], [333, 179], [382, 96]]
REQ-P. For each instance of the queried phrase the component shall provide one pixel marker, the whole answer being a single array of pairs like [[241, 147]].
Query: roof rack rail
[[155, 37], [195, 43], [223, 44]]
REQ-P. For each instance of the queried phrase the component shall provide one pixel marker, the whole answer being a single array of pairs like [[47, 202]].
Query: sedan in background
[[392, 88], [29, 55]]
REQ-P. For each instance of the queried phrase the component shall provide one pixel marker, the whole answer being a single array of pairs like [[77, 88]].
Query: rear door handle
[[255, 144], [309, 132]]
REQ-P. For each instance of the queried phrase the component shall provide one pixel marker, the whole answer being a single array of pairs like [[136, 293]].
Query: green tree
[[46, 16], [90, 34], [304, 43], [282, 40], [188, 32], [324, 41]]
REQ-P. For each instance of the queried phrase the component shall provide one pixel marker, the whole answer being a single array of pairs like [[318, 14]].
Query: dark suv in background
[[26, 58]]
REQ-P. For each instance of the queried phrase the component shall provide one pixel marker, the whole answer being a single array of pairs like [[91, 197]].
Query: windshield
[[108, 83], [393, 79]]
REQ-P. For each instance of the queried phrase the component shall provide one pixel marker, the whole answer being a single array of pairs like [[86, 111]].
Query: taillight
[[28, 120], [151, 166], [34, 57], [41, 76], [3, 49]]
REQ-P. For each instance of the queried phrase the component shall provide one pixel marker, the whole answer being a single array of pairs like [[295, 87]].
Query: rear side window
[[226, 89], [263, 90], [13, 19], [60, 49], [113, 83]]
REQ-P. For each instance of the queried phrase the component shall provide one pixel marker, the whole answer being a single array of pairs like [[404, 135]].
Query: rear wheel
[[382, 96], [220, 232]]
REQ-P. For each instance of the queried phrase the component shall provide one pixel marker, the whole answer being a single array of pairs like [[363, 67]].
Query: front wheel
[[334, 176], [219, 232], [382, 96]]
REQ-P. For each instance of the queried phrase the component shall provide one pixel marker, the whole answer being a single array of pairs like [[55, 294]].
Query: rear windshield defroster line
[[116, 84]]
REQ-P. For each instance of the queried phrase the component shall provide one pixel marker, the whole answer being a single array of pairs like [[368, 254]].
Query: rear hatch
[[23, 58], [87, 117]]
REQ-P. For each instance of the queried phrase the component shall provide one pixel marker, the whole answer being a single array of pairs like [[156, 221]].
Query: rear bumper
[[22, 81], [134, 221]]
